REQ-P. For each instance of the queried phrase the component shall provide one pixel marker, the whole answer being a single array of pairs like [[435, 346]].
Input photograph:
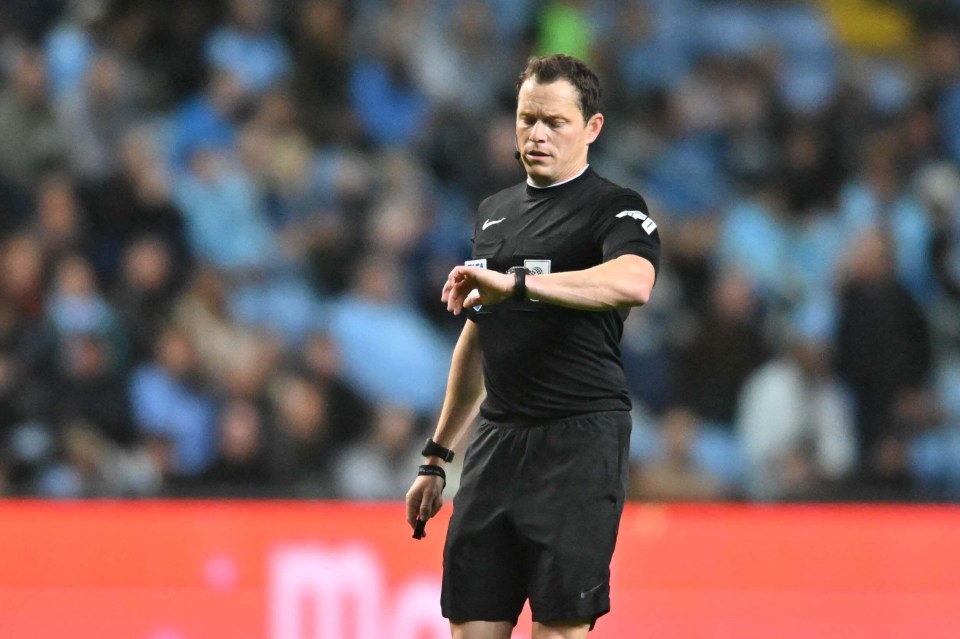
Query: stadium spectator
[[92, 466], [222, 345], [145, 294], [75, 305], [248, 48], [879, 198], [95, 118], [455, 64], [89, 387], [755, 240], [31, 141], [373, 323], [392, 109], [727, 347], [320, 360], [240, 466], [205, 120], [301, 452], [59, 221], [796, 420], [378, 466], [131, 203], [883, 347], [321, 73], [171, 407], [224, 220], [22, 276], [674, 472]]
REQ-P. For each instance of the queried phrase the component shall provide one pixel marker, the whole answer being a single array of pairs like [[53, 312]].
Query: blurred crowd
[[224, 227]]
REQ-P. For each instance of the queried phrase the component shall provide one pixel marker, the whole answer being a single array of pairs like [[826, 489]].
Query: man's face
[[551, 132]]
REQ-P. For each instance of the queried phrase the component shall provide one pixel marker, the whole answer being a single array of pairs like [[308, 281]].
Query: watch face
[[433, 449]]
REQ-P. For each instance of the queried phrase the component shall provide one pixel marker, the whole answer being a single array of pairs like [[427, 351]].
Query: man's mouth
[[537, 154]]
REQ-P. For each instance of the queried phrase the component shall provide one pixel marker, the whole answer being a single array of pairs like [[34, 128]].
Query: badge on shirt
[[481, 263], [537, 267], [648, 225]]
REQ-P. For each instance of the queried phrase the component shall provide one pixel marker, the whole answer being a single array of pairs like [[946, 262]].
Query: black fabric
[[543, 361], [536, 516]]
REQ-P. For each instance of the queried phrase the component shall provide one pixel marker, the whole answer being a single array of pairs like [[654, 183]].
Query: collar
[[550, 186]]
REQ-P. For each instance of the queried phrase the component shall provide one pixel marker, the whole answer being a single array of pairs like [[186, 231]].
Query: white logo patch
[[480, 263], [490, 223], [537, 267], [648, 225]]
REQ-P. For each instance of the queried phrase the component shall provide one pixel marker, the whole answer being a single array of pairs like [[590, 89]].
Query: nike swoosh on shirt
[[490, 223], [584, 593]]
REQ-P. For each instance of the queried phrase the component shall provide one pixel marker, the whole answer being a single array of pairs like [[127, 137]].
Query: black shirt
[[542, 361]]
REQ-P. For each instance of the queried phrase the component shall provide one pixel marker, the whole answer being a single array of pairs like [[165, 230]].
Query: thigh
[[575, 486], [564, 630], [481, 630], [483, 575]]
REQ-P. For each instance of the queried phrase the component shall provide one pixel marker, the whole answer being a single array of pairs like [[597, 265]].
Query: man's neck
[[550, 186]]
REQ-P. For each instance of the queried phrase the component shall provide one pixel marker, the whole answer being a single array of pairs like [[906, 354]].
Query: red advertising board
[[299, 570]]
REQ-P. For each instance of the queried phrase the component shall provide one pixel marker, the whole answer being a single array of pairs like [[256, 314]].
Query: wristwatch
[[433, 449], [519, 282]]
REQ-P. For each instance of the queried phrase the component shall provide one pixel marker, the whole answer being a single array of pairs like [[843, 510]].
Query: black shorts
[[536, 517]]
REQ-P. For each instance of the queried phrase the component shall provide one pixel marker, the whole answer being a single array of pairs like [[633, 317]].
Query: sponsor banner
[[303, 570]]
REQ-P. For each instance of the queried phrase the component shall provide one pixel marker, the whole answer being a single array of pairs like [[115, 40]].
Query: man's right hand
[[424, 499], [468, 286]]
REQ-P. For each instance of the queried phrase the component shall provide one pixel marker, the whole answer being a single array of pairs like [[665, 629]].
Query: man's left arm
[[622, 282]]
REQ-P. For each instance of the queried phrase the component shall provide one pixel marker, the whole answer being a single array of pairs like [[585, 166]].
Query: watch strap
[[433, 449], [519, 282]]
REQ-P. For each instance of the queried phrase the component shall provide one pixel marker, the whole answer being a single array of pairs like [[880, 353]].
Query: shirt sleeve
[[623, 226]]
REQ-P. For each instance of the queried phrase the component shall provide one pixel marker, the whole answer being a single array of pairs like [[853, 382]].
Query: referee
[[558, 261]]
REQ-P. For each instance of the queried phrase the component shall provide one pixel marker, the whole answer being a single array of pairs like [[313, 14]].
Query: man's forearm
[[465, 390], [623, 282]]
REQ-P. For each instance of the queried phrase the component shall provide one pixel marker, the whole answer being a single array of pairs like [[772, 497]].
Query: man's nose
[[538, 132]]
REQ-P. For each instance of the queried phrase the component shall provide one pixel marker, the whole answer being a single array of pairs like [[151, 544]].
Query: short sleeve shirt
[[542, 361]]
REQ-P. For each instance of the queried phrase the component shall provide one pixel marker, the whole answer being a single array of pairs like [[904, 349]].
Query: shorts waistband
[[553, 422]]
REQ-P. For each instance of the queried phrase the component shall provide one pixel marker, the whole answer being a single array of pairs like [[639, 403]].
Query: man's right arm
[[465, 391]]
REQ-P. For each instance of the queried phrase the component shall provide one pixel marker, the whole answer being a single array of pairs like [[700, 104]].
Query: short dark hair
[[559, 66]]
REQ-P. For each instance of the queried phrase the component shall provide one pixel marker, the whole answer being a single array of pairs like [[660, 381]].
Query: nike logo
[[584, 593], [490, 223]]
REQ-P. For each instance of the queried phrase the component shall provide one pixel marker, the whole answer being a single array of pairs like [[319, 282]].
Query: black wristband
[[433, 449], [434, 471], [519, 282]]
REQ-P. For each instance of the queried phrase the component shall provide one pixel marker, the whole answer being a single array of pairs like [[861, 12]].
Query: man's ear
[[594, 124]]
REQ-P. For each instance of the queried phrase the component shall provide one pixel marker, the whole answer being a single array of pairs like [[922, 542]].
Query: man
[[544, 478]]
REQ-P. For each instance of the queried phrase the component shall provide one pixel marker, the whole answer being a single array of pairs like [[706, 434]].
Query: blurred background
[[224, 227]]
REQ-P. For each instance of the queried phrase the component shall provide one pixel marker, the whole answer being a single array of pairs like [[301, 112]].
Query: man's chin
[[539, 173]]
